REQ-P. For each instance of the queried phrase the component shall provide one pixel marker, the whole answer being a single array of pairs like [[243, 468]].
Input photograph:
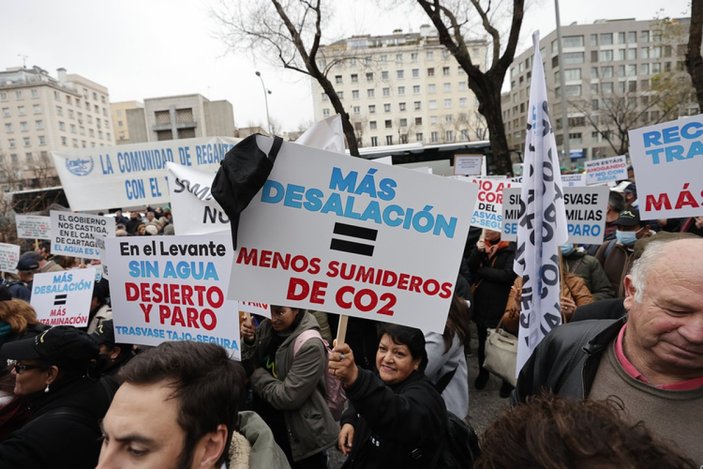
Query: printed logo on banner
[[80, 166], [358, 238], [63, 298], [172, 288]]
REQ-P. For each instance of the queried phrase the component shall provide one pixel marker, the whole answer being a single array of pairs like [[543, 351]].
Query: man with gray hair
[[652, 359]]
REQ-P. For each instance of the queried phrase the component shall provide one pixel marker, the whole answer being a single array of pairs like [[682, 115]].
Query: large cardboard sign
[[668, 161], [606, 170], [9, 256], [353, 237], [74, 233], [33, 227], [194, 209], [173, 288], [63, 298], [132, 175], [488, 211], [586, 208]]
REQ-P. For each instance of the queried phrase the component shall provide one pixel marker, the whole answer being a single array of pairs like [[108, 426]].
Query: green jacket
[[588, 268], [298, 390]]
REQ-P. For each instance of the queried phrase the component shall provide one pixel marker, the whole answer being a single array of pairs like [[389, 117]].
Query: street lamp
[[266, 100]]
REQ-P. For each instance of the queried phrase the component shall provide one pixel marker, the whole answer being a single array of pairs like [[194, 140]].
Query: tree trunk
[[694, 62], [488, 94]]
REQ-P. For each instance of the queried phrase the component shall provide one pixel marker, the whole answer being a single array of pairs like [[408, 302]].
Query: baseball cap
[[242, 173], [28, 262], [59, 345], [628, 217], [104, 334]]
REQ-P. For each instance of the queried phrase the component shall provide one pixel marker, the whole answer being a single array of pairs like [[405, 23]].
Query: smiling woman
[[408, 433]]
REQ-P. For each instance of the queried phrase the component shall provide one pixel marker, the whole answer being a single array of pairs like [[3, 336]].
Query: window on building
[[18, 94], [369, 76], [575, 137], [418, 136], [418, 121], [383, 58], [631, 70], [606, 39], [356, 109], [447, 87], [606, 88], [372, 109], [416, 89], [448, 119], [631, 37], [355, 94], [606, 72], [573, 41], [372, 125], [23, 126], [21, 111], [449, 136], [445, 71], [354, 78], [374, 141], [621, 37], [388, 124], [35, 93], [656, 68], [632, 54], [573, 90], [401, 106], [400, 74], [447, 103], [622, 53], [389, 140], [416, 72], [6, 112], [606, 56], [370, 93], [463, 102], [417, 105], [386, 92], [434, 136], [429, 55], [27, 141], [8, 127], [401, 91], [432, 104], [3, 96], [64, 141], [462, 86], [62, 125], [430, 72], [644, 36], [384, 75], [413, 57], [621, 70], [644, 69], [571, 74], [431, 88], [387, 107], [571, 58], [399, 58]]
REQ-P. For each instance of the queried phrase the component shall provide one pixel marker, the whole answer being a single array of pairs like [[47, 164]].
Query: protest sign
[[352, 237], [585, 213], [488, 211], [9, 256], [326, 134], [33, 227], [173, 288], [668, 161], [132, 175], [469, 165], [194, 209], [573, 180], [102, 267], [251, 307], [63, 298], [74, 233], [606, 170]]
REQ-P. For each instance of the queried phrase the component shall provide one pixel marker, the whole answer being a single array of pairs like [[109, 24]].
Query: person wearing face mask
[[616, 256]]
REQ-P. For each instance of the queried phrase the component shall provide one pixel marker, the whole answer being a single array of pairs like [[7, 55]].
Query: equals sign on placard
[[353, 245], [60, 299]]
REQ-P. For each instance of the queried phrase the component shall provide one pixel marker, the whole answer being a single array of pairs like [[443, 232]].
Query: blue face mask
[[566, 249], [627, 238]]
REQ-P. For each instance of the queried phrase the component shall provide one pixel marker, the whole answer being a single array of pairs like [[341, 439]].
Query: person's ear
[[629, 286], [52, 374], [211, 447], [115, 352]]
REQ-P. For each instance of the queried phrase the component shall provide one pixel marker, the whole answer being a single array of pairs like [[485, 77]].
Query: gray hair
[[653, 251]]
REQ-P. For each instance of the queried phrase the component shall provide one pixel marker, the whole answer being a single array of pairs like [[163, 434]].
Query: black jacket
[[62, 430], [566, 361], [495, 278], [396, 426]]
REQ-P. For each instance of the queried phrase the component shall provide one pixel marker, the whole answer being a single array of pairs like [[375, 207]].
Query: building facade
[[402, 88], [176, 117], [40, 114], [120, 120], [618, 75]]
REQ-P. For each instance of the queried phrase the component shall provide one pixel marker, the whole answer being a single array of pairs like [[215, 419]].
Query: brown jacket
[[572, 286]]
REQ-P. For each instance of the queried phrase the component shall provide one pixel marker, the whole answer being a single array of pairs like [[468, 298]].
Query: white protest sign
[[488, 211], [251, 307], [606, 170], [74, 233], [195, 210], [469, 165], [63, 298], [668, 161], [573, 180], [102, 267], [33, 227], [9, 256], [352, 237], [173, 288], [132, 175], [585, 213]]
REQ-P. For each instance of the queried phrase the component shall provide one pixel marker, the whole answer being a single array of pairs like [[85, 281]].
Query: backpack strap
[[303, 337], [609, 248], [444, 381]]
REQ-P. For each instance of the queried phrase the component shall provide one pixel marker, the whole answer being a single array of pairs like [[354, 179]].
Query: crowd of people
[[620, 382]]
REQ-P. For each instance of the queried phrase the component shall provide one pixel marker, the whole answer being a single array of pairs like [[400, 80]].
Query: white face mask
[[626, 238]]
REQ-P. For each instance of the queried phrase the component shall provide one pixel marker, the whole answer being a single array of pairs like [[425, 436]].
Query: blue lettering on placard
[[663, 145]]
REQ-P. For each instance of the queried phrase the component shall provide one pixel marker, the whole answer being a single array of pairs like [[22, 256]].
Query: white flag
[[542, 226], [325, 135]]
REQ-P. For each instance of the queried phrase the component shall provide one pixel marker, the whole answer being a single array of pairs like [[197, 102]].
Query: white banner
[[349, 236], [326, 134], [63, 298], [74, 233], [194, 209], [250, 307], [173, 288], [488, 211], [469, 165], [9, 256], [542, 227], [668, 161], [573, 180], [33, 227], [606, 170], [585, 213], [132, 175]]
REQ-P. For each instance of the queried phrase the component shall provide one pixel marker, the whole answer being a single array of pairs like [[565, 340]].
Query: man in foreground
[[652, 359]]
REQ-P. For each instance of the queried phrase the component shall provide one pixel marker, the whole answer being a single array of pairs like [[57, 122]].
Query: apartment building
[[402, 88], [618, 74], [40, 114], [175, 117]]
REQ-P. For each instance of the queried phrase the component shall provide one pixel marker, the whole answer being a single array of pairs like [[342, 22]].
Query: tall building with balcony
[[402, 88], [618, 75], [177, 117], [40, 114]]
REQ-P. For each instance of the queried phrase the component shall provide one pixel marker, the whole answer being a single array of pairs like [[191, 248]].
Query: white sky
[[149, 48]]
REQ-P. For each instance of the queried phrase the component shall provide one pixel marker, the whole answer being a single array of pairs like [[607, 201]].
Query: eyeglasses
[[21, 367]]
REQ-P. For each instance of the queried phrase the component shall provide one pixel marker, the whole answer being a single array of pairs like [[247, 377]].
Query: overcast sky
[[149, 48]]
